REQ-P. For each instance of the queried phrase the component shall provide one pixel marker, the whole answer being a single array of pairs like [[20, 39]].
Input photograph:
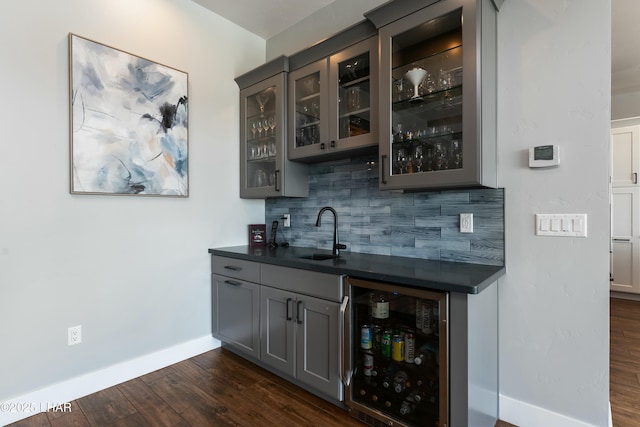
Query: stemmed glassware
[[456, 154], [310, 85], [418, 157], [441, 155], [401, 160], [415, 77], [352, 67], [262, 99], [272, 124]]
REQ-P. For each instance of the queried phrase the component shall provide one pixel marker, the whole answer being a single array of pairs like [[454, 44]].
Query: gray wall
[[554, 87], [134, 272]]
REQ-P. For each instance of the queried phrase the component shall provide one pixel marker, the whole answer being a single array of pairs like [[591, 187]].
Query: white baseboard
[[525, 414], [20, 407]]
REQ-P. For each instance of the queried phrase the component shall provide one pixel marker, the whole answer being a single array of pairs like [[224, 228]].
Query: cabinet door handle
[[345, 375], [289, 300], [232, 268], [383, 178], [621, 240], [232, 282], [298, 315], [277, 179], [635, 177]]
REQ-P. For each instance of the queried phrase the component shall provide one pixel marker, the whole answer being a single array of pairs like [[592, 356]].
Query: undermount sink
[[320, 257]]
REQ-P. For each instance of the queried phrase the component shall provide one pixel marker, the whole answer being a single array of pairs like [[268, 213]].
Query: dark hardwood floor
[[624, 372], [216, 388]]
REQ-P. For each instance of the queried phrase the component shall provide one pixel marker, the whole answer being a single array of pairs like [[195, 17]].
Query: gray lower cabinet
[[300, 337], [236, 314], [285, 319]]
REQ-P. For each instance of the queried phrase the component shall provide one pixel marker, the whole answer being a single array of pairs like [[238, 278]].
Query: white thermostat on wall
[[544, 156]]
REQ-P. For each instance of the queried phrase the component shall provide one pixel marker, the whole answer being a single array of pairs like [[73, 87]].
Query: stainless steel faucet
[[336, 246]]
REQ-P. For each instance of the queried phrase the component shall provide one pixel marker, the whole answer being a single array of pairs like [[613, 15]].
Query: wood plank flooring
[[624, 371], [216, 388]]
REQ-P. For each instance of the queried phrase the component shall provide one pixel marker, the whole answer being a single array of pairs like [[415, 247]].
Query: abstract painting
[[129, 123]]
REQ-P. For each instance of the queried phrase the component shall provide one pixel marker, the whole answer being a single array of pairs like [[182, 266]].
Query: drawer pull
[[232, 268], [233, 283], [383, 178], [621, 240]]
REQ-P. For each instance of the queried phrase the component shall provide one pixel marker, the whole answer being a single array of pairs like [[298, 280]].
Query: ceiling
[[266, 18], [625, 46]]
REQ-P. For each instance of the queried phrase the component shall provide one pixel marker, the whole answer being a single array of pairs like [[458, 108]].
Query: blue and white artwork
[[129, 132]]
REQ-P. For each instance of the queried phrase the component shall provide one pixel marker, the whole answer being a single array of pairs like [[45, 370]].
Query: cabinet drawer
[[321, 285], [237, 268]]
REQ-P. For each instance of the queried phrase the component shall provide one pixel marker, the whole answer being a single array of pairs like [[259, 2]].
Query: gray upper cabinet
[[437, 94], [333, 101], [264, 168]]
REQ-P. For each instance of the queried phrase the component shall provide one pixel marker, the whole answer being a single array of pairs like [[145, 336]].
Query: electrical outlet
[[287, 220], [74, 335], [466, 223]]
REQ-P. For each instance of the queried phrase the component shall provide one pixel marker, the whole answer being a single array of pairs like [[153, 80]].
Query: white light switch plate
[[561, 225]]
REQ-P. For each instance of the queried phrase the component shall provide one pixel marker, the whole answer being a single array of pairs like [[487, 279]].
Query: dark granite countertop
[[414, 272]]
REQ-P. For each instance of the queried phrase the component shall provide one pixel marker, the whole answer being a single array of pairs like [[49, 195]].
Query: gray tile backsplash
[[417, 225]]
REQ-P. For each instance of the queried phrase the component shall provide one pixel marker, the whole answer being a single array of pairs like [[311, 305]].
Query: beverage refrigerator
[[395, 359]]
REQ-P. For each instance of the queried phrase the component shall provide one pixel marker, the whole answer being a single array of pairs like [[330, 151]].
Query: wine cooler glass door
[[399, 362]]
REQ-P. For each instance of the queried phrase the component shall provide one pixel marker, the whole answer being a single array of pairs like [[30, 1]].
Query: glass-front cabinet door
[[334, 103], [437, 111], [308, 110], [353, 108], [264, 169]]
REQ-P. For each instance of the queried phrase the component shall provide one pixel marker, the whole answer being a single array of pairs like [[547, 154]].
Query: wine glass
[[441, 155], [418, 157], [265, 126], [430, 83], [254, 129], [398, 86], [351, 68], [272, 124], [401, 160], [444, 79], [262, 99], [310, 85], [456, 153]]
